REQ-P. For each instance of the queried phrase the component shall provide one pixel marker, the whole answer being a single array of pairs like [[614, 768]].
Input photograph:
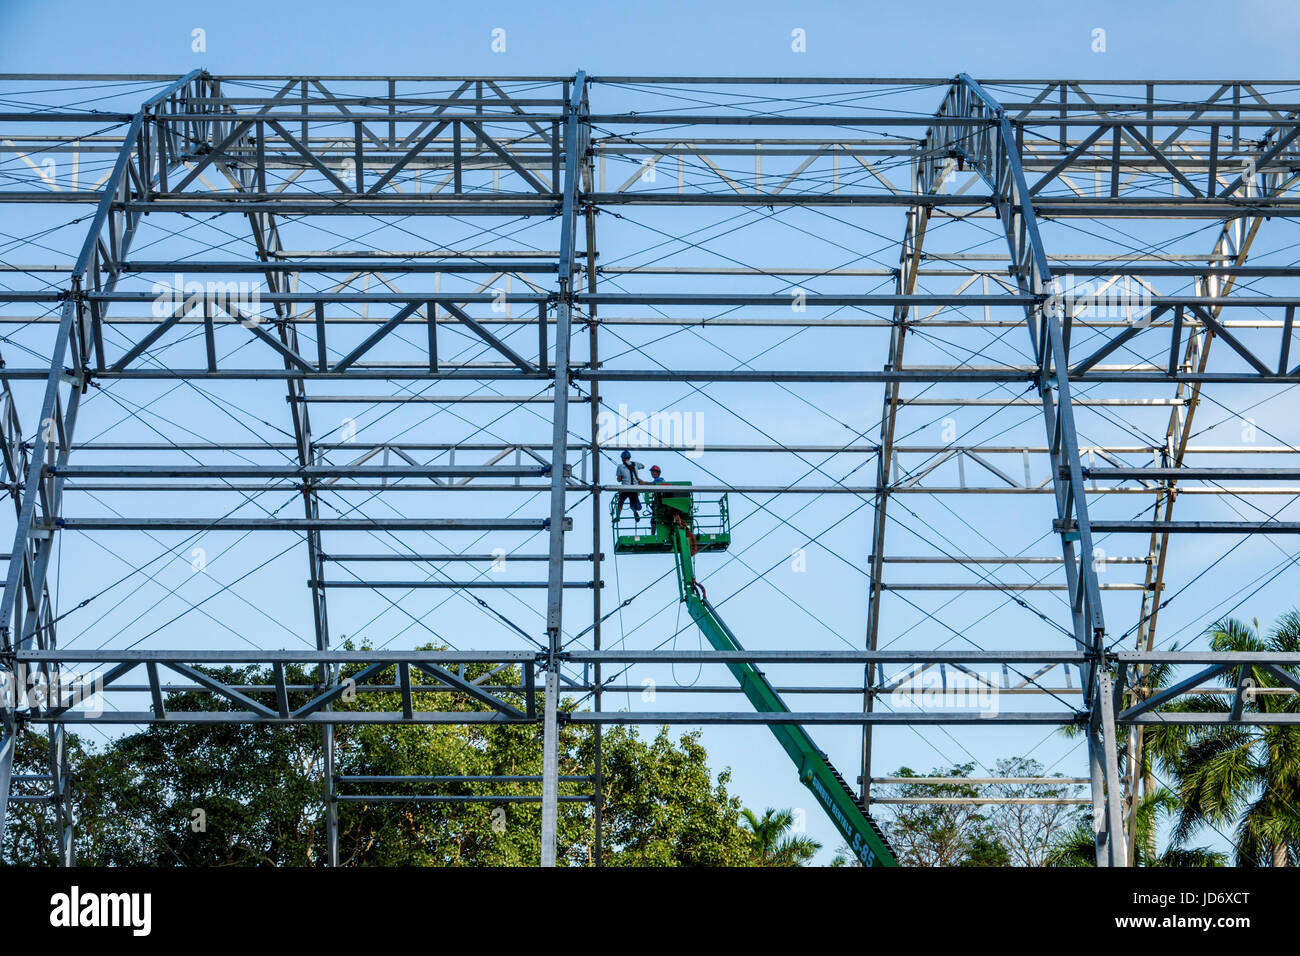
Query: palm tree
[[773, 846], [1247, 774], [844, 856], [1077, 847], [1148, 741]]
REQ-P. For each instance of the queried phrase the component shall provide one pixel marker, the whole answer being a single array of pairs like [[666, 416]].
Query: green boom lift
[[685, 527]]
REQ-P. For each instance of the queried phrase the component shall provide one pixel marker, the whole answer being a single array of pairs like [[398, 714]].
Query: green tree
[[1025, 830], [182, 794], [32, 833], [844, 856], [258, 789], [984, 849], [662, 806], [772, 843], [1141, 782], [932, 834], [1238, 774]]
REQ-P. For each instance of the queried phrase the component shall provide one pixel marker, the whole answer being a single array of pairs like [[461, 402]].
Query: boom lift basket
[[707, 521]]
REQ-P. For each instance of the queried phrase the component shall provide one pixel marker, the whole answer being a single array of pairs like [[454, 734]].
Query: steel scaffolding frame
[[1007, 157]]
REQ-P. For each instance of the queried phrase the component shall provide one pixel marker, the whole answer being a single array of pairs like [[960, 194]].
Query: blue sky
[[1033, 40], [1020, 39]]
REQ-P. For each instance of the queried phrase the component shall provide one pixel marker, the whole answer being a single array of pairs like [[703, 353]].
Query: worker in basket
[[627, 475], [656, 478]]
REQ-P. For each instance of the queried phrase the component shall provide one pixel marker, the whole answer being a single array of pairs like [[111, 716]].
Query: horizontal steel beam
[[306, 656], [1193, 527], [436, 558], [971, 488], [1232, 658], [807, 656], [982, 781], [696, 718], [483, 583], [313, 471], [306, 524], [455, 798], [984, 801], [398, 372], [830, 718], [309, 472], [246, 655], [1255, 719], [457, 778], [1189, 473]]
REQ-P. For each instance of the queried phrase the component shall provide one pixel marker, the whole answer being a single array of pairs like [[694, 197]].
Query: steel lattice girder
[[562, 149]]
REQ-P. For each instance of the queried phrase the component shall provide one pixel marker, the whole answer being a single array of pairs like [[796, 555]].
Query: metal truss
[[438, 270]]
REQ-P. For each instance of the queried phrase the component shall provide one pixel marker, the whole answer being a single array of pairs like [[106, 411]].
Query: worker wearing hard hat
[[656, 478], [627, 475]]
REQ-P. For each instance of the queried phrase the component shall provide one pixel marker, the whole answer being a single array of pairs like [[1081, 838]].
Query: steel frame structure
[[454, 166]]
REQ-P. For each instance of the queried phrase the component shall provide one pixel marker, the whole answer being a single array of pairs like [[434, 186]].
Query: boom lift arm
[[675, 528]]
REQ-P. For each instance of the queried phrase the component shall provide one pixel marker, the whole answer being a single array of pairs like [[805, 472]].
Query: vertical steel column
[[575, 139], [8, 744], [597, 517], [989, 143], [909, 264]]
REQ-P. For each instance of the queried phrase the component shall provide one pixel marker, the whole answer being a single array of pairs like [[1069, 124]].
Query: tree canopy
[[248, 795]]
